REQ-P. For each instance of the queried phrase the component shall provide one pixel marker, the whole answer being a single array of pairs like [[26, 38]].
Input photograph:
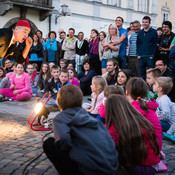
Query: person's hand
[[161, 48], [105, 44], [15, 92], [88, 107], [151, 58], [29, 42], [138, 57], [12, 86]]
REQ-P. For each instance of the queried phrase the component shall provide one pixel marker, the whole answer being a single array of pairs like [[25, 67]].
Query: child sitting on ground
[[136, 93], [82, 145], [134, 136], [63, 64], [165, 111], [35, 67], [97, 87], [34, 78], [151, 76], [44, 79], [55, 72], [72, 77], [63, 80], [20, 88], [109, 90]]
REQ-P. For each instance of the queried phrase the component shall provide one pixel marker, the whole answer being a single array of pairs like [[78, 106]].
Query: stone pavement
[[19, 144]]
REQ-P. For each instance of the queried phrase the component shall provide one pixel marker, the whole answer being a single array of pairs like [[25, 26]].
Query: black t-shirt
[[165, 42]]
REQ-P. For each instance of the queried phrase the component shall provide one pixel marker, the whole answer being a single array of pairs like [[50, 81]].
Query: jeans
[[133, 65], [123, 58], [145, 62]]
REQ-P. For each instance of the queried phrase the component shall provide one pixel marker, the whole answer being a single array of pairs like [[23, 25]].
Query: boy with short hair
[[151, 76], [52, 85], [82, 145], [165, 111], [61, 80]]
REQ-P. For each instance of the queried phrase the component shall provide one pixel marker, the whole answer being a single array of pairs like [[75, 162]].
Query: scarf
[[94, 46], [70, 39], [48, 46]]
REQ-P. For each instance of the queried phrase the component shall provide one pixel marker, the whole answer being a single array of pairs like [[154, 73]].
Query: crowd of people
[[130, 75]]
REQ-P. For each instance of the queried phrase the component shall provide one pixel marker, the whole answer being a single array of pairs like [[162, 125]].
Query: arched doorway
[[11, 24]]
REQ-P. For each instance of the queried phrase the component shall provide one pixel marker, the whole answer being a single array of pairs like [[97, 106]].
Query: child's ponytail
[[143, 104], [138, 90]]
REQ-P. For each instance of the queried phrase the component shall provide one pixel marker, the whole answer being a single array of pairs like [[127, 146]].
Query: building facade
[[98, 14], [37, 12], [166, 12], [46, 15]]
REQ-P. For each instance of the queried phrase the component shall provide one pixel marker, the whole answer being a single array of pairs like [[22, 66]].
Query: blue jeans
[[145, 62]]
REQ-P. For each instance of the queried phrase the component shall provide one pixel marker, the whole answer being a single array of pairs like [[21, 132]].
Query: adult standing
[[82, 50], [85, 77], [36, 51], [62, 37], [102, 37], [9, 39], [110, 51], [122, 40], [39, 33], [69, 47], [147, 41], [52, 49], [165, 41], [133, 64], [94, 55]]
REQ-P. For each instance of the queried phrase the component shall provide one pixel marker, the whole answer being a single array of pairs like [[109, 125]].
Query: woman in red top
[[133, 135]]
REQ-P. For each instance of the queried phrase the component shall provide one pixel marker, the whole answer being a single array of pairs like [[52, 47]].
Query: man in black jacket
[[9, 39]]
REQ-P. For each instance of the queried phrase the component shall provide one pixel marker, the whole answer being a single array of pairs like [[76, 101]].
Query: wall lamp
[[64, 12]]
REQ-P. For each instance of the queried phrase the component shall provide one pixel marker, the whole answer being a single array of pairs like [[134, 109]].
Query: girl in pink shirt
[[134, 136], [20, 88], [72, 77], [98, 85], [136, 93]]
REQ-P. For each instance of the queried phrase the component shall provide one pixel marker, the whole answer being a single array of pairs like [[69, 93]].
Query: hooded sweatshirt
[[87, 140], [147, 43], [152, 117]]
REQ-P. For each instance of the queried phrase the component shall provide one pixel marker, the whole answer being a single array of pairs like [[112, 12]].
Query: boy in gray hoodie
[[82, 145]]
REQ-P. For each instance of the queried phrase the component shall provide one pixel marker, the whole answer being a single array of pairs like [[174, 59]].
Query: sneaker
[[168, 137]]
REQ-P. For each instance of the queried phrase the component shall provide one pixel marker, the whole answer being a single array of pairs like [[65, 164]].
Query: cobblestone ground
[[19, 145]]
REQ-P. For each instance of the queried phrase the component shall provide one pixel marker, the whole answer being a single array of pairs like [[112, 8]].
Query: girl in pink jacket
[[20, 88], [136, 92], [134, 136]]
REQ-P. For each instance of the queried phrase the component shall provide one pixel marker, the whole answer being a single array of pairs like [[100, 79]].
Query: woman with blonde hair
[[110, 51]]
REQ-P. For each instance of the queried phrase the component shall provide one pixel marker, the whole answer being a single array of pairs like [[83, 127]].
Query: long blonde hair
[[99, 83], [116, 30]]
